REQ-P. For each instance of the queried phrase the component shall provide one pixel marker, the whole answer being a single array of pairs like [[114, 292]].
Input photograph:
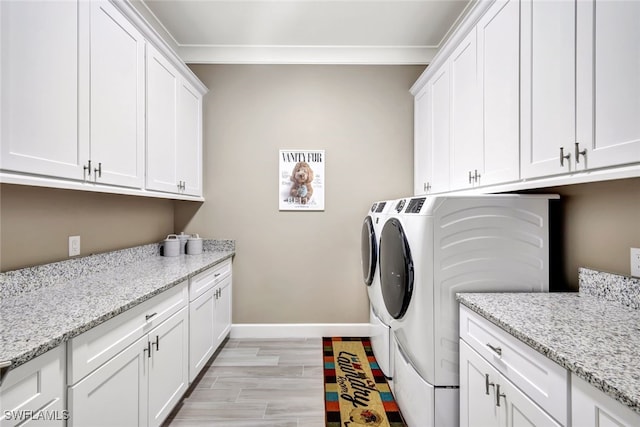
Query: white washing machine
[[380, 334], [434, 247]]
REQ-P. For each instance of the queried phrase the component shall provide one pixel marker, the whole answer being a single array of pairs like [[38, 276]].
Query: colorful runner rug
[[356, 391]]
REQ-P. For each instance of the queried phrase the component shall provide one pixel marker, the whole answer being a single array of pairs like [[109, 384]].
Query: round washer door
[[396, 268], [369, 248]]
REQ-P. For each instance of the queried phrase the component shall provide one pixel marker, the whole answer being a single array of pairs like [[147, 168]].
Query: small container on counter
[[194, 245], [171, 245], [183, 242]]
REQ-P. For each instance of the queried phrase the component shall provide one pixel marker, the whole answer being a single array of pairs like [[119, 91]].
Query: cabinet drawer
[[543, 380], [91, 349], [202, 282]]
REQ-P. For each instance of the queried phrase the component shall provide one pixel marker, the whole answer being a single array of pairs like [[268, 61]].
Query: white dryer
[[380, 334], [434, 247]]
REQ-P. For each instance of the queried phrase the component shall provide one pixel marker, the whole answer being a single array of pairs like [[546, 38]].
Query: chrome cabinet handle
[[579, 153], [148, 350], [87, 168], [157, 343], [470, 178], [476, 176], [487, 384], [496, 350], [149, 316], [98, 171], [563, 156], [499, 395]]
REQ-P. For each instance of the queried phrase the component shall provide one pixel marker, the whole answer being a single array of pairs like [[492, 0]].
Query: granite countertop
[[590, 333], [80, 294]]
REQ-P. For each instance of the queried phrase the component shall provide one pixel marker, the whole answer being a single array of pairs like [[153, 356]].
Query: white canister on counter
[[194, 245], [183, 242], [171, 245]]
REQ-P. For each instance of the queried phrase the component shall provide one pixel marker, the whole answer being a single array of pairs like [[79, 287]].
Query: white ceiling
[[305, 31]]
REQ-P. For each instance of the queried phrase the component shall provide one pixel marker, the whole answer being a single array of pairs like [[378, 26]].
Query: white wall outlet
[[635, 262], [74, 245]]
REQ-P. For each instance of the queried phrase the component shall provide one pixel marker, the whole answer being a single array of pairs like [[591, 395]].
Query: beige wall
[[35, 223], [600, 223], [300, 267]]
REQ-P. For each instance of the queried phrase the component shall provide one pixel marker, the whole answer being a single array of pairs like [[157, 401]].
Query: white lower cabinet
[[488, 399], [209, 315], [35, 391], [141, 385], [113, 395], [133, 369], [222, 325], [504, 382], [593, 408]]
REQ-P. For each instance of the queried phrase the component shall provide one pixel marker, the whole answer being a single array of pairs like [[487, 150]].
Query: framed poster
[[301, 180]]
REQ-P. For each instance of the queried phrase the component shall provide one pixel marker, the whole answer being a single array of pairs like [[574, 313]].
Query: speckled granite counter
[[44, 306], [594, 333]]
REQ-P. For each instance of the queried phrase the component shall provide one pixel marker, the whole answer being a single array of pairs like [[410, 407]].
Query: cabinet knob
[[563, 156], [579, 153]]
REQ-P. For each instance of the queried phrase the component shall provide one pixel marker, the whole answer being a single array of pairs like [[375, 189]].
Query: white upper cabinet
[[40, 92], [162, 86], [189, 138], [548, 87], [117, 98], [498, 33], [608, 83], [466, 147], [580, 86], [422, 181], [174, 135], [74, 101], [431, 134]]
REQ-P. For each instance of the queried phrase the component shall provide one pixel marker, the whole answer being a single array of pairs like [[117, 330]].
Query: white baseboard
[[300, 330]]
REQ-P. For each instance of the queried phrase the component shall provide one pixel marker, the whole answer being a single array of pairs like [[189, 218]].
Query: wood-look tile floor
[[257, 383]]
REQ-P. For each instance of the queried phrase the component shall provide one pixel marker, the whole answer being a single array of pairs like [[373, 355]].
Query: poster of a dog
[[301, 180]]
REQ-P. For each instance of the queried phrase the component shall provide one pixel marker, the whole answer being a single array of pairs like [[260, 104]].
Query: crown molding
[[365, 55]]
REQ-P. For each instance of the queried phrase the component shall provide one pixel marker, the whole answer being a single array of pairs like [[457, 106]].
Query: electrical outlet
[[635, 262], [74, 245]]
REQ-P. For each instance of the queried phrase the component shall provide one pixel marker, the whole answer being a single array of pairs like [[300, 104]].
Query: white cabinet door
[[162, 89], [439, 130], [548, 87], [37, 388], [168, 366], [421, 142], [517, 410], [117, 98], [114, 394], [189, 139], [202, 344], [608, 82], [593, 408], [466, 147], [499, 80], [488, 399], [223, 311], [40, 93], [477, 390]]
